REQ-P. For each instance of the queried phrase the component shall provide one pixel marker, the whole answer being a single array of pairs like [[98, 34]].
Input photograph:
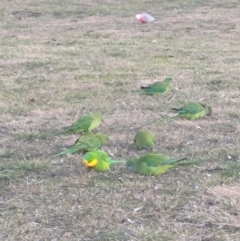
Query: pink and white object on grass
[[144, 18]]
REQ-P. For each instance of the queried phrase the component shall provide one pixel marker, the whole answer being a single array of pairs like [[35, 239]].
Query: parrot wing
[[88, 142], [83, 124], [191, 108], [153, 159], [155, 164], [88, 122], [158, 87], [148, 164]]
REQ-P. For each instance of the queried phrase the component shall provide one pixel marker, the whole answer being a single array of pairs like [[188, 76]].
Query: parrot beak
[[91, 164], [85, 163]]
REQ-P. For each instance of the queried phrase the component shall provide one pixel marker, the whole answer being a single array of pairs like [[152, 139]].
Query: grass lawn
[[63, 59]]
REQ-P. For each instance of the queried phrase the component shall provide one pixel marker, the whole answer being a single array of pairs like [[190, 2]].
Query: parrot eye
[[129, 165]]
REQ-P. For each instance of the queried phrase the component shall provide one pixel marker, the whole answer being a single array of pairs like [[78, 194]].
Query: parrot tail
[[69, 130], [176, 109], [61, 133], [184, 161], [67, 151], [116, 162], [58, 154], [62, 153], [174, 161]]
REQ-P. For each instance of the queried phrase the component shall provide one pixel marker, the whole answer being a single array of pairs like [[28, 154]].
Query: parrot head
[[209, 109], [131, 164], [98, 116], [168, 80], [103, 138], [90, 160]]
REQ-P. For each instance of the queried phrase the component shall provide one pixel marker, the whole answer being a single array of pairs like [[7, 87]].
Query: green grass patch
[[20, 168]]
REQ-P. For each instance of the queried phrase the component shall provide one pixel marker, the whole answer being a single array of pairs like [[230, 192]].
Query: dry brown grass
[[75, 58]]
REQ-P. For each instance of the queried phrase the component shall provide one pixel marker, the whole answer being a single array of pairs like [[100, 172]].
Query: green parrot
[[155, 164], [85, 123], [88, 142], [144, 139], [193, 111], [159, 87], [98, 161]]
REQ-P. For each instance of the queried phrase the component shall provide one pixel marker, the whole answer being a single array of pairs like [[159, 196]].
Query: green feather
[[103, 161], [84, 124], [159, 87], [144, 139], [193, 111], [88, 142], [155, 164]]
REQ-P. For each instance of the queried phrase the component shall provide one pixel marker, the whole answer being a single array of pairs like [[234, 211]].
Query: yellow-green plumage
[[156, 164], [144, 139], [88, 142], [193, 111], [159, 87], [98, 161], [84, 124]]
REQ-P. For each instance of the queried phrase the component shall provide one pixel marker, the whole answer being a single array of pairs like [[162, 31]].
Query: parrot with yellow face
[[98, 161]]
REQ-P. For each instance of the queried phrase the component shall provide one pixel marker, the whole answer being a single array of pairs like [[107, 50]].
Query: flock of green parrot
[[148, 164]]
